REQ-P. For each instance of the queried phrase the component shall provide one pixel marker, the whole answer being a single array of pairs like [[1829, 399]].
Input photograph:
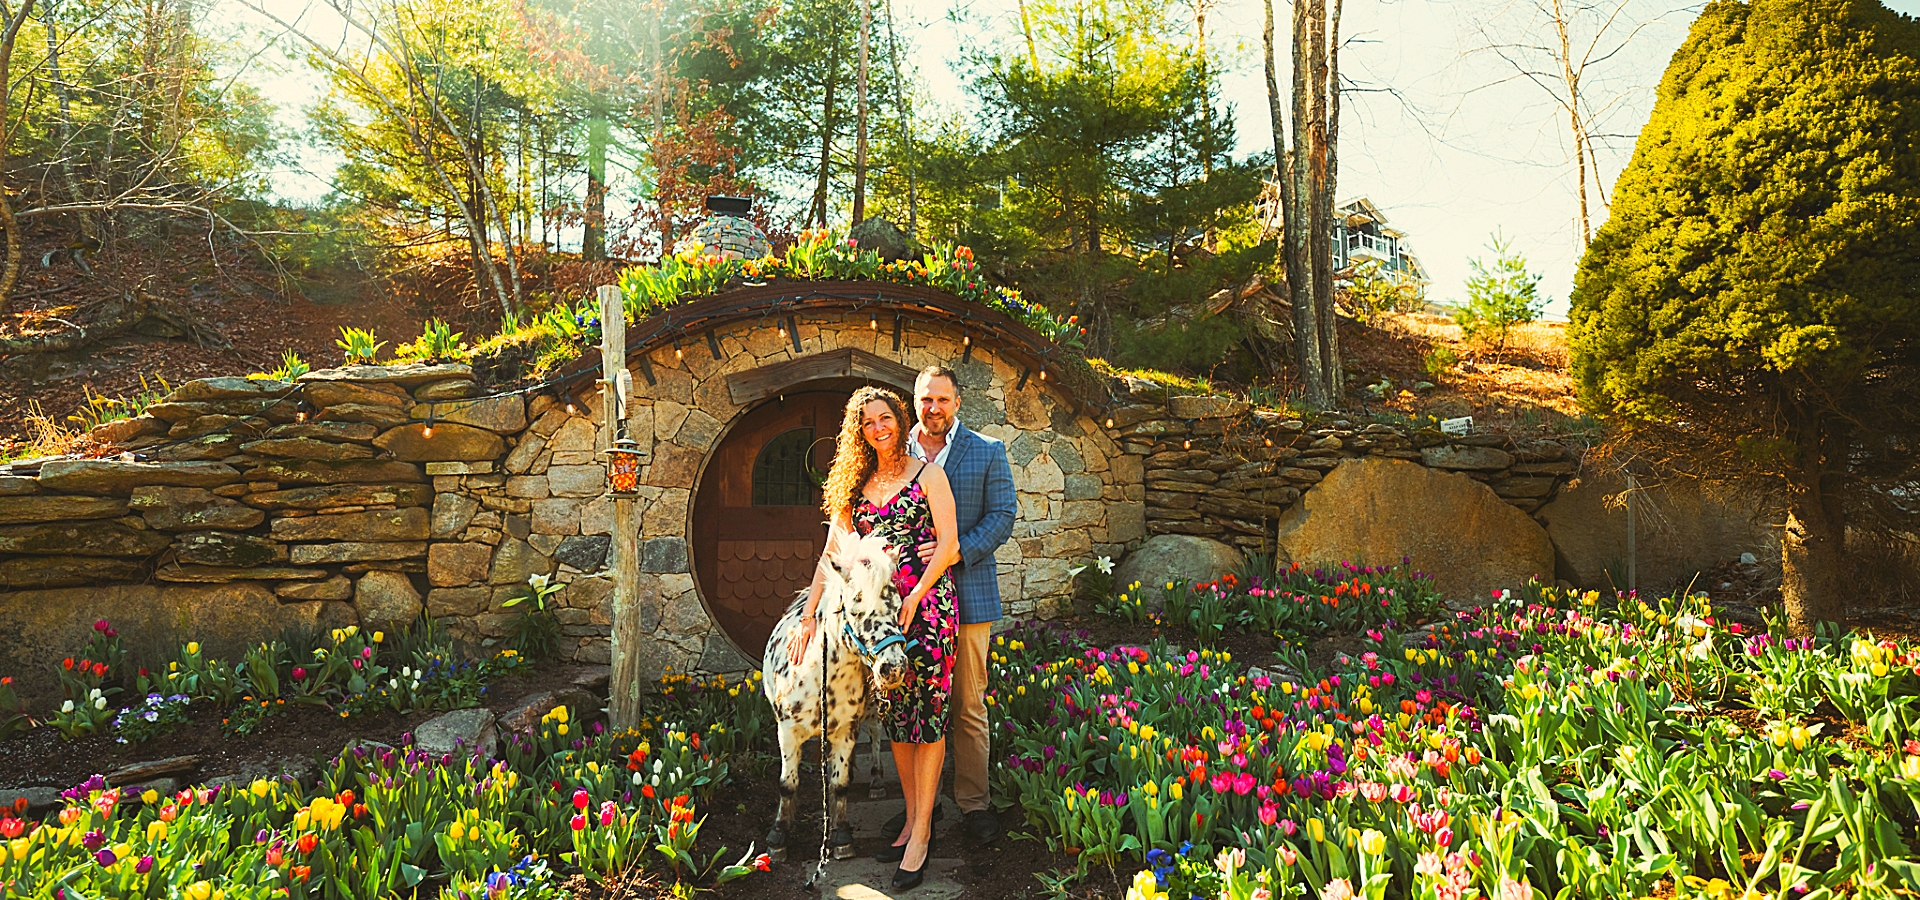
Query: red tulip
[[580, 799], [579, 823]]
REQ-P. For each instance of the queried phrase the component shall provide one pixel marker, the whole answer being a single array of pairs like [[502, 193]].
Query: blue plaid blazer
[[984, 508]]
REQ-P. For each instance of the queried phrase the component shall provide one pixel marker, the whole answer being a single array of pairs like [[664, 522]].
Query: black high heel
[[904, 880], [891, 853]]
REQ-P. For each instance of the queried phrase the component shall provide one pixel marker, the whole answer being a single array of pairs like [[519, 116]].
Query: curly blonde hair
[[853, 460]]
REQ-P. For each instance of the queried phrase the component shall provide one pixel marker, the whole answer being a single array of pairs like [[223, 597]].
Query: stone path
[[860, 878]]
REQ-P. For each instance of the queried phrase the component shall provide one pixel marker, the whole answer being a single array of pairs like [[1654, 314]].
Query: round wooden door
[[757, 525]]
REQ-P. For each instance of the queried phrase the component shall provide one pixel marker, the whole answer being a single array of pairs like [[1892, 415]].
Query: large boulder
[[1377, 511], [1681, 531], [1175, 557]]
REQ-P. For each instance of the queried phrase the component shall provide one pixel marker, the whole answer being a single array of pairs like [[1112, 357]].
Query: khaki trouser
[[971, 740]]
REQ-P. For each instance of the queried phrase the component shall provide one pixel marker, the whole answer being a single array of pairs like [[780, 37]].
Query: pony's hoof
[[877, 791], [844, 851], [777, 854]]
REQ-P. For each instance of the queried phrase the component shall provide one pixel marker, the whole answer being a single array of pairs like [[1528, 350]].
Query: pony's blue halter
[[869, 653]]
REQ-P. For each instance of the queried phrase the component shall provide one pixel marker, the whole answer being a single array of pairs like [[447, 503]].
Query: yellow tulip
[[193, 647], [379, 636], [156, 831], [1373, 842], [199, 890], [19, 849], [149, 796], [473, 832], [1176, 789], [1317, 830]]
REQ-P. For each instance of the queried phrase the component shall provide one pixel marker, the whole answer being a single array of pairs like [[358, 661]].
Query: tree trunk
[[660, 131], [10, 275], [1300, 210], [818, 211], [860, 130], [1332, 372], [904, 109], [1812, 547], [594, 242]]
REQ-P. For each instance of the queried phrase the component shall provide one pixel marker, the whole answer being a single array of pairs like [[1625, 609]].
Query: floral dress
[[917, 712]]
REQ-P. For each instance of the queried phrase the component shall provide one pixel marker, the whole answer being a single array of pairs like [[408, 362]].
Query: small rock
[[103, 476], [450, 389], [594, 678], [386, 600], [460, 731], [335, 588], [146, 771], [448, 441], [407, 376], [165, 787], [1748, 559], [527, 713], [39, 799], [584, 552]]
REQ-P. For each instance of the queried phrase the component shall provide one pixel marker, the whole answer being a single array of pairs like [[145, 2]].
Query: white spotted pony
[[858, 636]]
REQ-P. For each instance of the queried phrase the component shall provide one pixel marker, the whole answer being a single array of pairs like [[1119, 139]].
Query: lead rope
[[826, 802]]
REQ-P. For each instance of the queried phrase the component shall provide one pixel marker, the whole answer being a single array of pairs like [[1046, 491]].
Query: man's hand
[[926, 551], [797, 644]]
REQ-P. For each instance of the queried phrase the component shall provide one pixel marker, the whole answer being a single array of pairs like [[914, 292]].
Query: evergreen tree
[[1752, 308], [1500, 296]]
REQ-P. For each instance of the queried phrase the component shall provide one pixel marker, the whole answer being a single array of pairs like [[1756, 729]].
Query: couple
[[943, 498]]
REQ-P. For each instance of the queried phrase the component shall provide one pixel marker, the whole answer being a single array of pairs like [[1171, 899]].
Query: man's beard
[[927, 426]]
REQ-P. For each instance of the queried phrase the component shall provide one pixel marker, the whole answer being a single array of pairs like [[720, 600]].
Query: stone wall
[[1215, 467], [1079, 494], [368, 493]]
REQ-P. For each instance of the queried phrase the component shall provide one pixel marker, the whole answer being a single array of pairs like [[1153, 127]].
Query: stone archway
[[756, 526]]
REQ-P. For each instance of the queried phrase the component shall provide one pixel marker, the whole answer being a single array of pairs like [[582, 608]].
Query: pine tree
[[1752, 308], [1500, 296]]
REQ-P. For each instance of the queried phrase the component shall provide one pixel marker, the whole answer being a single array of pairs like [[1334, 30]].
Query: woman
[[876, 487]]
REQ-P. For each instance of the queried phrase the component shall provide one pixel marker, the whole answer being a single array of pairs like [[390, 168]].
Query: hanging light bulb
[[1043, 374], [427, 432], [874, 321], [1109, 421], [678, 354], [570, 408], [1186, 445]]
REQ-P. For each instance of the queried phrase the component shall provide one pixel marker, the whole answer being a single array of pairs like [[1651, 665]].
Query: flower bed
[[565, 801], [1550, 746]]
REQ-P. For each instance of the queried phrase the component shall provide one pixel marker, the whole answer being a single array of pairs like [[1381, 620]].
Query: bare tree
[[418, 109], [11, 21], [1557, 46], [1306, 172]]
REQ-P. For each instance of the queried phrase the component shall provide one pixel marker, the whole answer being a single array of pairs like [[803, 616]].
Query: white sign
[[1462, 425]]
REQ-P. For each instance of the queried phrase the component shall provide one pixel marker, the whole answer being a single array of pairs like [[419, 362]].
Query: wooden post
[[623, 687]]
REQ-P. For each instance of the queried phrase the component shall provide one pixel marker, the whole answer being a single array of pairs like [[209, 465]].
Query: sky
[[1443, 134]]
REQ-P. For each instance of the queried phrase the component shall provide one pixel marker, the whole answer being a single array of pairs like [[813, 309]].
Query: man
[[976, 467]]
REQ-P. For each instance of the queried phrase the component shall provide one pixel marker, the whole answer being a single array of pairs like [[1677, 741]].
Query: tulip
[[579, 822], [580, 799]]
